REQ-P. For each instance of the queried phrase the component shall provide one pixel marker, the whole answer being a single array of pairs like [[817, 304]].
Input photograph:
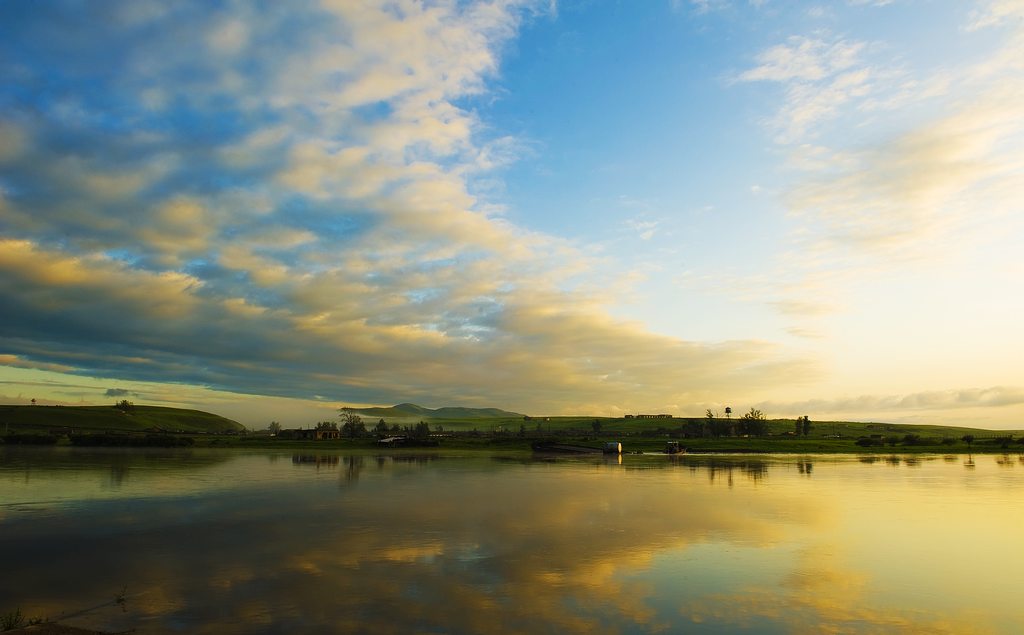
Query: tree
[[806, 425], [422, 430], [274, 427], [754, 422], [327, 425], [721, 428], [968, 439], [596, 425], [124, 405], [352, 425], [381, 428]]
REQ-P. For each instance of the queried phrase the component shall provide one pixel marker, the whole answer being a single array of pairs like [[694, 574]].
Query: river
[[266, 542]]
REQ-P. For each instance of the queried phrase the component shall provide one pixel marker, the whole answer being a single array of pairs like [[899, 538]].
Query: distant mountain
[[449, 412]]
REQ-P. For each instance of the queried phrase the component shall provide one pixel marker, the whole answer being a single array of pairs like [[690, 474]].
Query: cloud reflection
[[473, 546]]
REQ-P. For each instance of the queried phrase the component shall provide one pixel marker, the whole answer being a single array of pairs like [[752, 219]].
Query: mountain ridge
[[407, 409]]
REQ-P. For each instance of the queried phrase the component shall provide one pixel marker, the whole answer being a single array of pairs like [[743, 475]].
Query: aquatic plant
[[14, 619]]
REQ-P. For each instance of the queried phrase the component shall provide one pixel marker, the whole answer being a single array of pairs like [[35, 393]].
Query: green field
[[42, 419], [517, 433], [776, 427]]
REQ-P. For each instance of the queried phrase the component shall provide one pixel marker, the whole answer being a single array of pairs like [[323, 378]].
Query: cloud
[[805, 59], [820, 78], [517, 558], [891, 167], [645, 229], [996, 13], [118, 392], [933, 400], [285, 204]]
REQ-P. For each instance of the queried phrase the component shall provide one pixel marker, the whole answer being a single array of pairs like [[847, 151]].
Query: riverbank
[[634, 444], [852, 440], [53, 628]]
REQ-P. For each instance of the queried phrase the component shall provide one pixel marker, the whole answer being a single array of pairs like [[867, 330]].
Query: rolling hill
[[448, 412], [109, 418]]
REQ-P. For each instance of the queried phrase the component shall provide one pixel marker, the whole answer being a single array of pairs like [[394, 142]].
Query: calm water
[[234, 542]]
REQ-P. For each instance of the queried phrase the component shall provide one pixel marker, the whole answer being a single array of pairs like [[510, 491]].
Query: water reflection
[[482, 546], [316, 460], [1005, 460]]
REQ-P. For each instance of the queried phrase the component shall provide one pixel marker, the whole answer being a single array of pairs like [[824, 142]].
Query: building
[[308, 435]]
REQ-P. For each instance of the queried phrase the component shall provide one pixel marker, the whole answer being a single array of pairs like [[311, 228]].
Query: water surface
[[231, 541]]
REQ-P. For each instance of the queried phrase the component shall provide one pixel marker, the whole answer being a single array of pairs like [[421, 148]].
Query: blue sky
[[575, 207]]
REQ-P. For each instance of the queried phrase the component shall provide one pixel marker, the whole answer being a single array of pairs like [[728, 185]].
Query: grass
[[14, 619], [506, 434], [43, 419], [986, 442]]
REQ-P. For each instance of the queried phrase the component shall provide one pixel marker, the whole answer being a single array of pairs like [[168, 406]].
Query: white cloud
[[995, 13], [803, 59]]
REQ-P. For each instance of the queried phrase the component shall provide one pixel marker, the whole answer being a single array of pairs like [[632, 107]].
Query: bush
[[1003, 442], [128, 441], [30, 439]]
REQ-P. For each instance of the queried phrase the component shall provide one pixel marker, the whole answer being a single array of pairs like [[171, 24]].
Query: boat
[[673, 447]]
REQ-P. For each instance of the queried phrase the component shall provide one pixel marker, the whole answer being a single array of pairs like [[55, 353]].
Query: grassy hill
[[109, 418], [407, 410], [776, 427]]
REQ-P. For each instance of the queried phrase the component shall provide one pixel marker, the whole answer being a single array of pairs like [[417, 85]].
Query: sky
[[576, 207]]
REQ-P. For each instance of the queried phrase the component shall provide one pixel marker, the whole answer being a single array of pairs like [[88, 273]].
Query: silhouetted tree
[[327, 425], [806, 425], [124, 405], [754, 423], [596, 425], [721, 428], [352, 425], [968, 439], [422, 430], [274, 427], [381, 428]]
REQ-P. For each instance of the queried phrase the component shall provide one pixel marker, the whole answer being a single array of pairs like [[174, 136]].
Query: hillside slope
[[448, 412], [138, 419]]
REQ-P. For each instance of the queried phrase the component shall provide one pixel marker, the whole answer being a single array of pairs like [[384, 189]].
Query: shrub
[[29, 439], [124, 440]]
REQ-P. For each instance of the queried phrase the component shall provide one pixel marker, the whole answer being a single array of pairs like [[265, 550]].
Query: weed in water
[[14, 619]]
